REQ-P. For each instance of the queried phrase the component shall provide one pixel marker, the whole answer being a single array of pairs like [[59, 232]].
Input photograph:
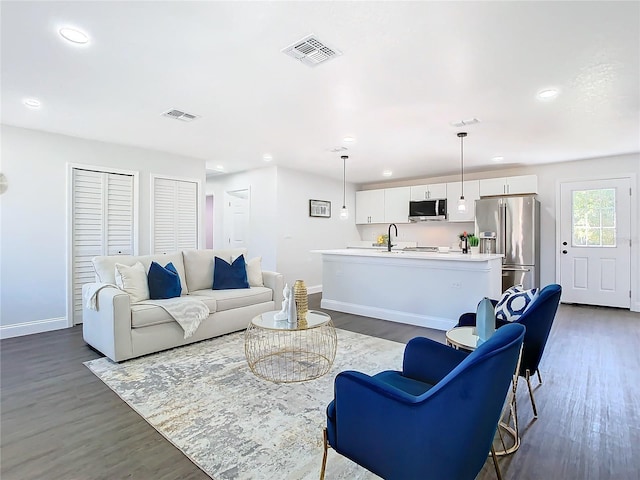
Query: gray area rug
[[204, 399]]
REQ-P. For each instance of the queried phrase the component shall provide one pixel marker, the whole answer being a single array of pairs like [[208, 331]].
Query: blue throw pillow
[[164, 282], [514, 302], [227, 275]]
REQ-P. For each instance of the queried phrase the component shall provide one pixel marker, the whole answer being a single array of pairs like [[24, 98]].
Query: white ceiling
[[407, 71]]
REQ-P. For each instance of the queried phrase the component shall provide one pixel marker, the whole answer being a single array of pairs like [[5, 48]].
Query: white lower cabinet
[[471, 194]]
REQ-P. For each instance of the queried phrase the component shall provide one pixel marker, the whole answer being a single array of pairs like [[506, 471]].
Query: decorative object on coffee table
[[283, 352], [301, 300], [283, 314]]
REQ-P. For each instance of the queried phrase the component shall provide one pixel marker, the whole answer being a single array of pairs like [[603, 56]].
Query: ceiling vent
[[338, 149], [311, 51], [180, 115], [465, 123]]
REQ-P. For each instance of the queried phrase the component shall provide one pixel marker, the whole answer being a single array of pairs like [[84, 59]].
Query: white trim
[[36, 326], [634, 214], [437, 323], [314, 289], [69, 273], [200, 205]]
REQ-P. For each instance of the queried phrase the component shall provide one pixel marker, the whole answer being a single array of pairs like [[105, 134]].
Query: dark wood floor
[[58, 421]]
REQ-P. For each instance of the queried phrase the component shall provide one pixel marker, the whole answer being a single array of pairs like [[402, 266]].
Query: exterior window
[[594, 218]]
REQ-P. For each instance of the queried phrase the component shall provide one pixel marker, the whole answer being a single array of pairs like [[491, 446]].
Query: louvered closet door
[[102, 224], [175, 222]]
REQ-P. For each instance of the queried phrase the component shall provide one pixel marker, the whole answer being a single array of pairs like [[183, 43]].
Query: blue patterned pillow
[[514, 302], [164, 282]]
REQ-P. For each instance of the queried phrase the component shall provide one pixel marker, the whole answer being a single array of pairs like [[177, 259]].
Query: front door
[[595, 250]]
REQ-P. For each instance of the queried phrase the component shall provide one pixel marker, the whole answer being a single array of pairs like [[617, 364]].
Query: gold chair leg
[[539, 377], [495, 463], [324, 456], [533, 402]]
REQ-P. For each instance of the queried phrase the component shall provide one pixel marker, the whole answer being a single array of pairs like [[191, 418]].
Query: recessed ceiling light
[[74, 35], [548, 93], [387, 173], [31, 103], [267, 157], [348, 139], [497, 159], [219, 167]]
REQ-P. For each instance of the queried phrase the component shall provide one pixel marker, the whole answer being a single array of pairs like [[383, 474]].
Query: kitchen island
[[418, 288]]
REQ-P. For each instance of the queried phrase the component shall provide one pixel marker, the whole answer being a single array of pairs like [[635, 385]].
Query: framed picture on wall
[[319, 208]]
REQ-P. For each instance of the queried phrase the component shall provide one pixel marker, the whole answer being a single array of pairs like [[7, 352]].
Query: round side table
[[283, 353], [466, 338]]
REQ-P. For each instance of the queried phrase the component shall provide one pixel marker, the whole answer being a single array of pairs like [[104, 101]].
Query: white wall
[[33, 217], [549, 178], [281, 230], [263, 214], [298, 233]]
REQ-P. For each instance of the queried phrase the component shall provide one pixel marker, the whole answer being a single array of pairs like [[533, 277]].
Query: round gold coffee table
[[283, 353]]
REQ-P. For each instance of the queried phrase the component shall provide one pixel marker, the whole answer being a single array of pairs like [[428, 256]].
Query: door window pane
[[594, 218]]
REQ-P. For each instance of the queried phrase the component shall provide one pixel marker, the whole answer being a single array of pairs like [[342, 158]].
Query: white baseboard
[[635, 306], [314, 289], [36, 326], [437, 323]]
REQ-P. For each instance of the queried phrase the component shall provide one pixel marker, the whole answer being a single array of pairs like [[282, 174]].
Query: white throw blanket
[[90, 294], [188, 312]]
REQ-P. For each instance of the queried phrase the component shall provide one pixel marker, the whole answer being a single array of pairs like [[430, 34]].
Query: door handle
[[515, 269], [564, 251], [564, 243]]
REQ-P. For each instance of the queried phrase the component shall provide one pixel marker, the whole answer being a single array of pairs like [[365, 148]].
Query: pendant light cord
[[462, 135], [344, 180]]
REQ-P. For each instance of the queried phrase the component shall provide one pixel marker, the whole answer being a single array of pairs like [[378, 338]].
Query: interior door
[[595, 249], [236, 219], [102, 223]]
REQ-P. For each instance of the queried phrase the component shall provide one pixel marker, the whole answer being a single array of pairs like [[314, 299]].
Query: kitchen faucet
[[389, 236]]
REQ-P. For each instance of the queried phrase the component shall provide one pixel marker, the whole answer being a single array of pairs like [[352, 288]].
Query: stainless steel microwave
[[428, 210]]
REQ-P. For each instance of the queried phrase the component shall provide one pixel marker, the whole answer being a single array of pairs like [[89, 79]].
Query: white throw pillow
[[254, 270], [514, 302], [133, 280]]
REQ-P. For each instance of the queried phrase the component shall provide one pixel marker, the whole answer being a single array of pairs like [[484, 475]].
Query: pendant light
[[462, 204], [344, 212]]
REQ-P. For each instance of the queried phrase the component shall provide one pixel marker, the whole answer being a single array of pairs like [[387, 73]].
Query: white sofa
[[121, 330]]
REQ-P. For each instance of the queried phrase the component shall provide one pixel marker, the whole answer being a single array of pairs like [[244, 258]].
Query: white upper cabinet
[[522, 184], [370, 206], [426, 192], [396, 205], [471, 194], [387, 205]]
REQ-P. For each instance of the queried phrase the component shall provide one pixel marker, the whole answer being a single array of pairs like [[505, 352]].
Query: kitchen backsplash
[[424, 233]]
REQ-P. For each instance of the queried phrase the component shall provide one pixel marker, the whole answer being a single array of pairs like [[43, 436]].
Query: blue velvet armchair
[[537, 319], [434, 419]]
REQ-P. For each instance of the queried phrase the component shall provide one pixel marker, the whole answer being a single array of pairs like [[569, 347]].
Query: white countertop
[[450, 256]]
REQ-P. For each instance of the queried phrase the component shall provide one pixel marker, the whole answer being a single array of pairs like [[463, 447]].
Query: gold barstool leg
[[324, 457], [495, 463], [533, 402]]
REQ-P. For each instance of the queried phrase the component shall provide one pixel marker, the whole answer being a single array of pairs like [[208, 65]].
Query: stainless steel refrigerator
[[516, 221]]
